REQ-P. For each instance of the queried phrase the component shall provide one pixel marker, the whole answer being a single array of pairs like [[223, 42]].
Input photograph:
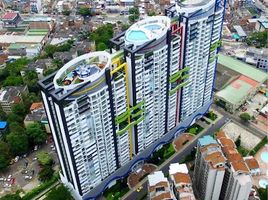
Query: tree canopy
[[36, 133], [134, 14], [11, 197], [44, 158], [18, 143], [45, 173], [245, 117], [84, 11], [258, 39], [59, 193], [102, 35], [4, 155]]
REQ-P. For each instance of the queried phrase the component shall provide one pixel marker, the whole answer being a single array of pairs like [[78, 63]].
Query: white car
[[35, 147], [16, 159], [28, 177], [34, 159], [9, 177]]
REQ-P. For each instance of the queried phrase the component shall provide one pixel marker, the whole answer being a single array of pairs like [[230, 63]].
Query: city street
[[133, 194], [32, 168]]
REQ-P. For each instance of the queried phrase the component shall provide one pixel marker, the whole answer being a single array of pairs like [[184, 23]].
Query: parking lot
[[23, 174]]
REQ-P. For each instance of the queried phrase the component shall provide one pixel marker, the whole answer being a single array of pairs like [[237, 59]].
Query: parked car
[[28, 177], [16, 159]]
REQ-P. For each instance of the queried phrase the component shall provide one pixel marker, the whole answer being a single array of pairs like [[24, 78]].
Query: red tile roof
[[182, 178], [252, 163], [9, 16], [36, 106]]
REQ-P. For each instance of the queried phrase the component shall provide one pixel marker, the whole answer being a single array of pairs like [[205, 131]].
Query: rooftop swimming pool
[[153, 27], [263, 183], [264, 156], [137, 35]]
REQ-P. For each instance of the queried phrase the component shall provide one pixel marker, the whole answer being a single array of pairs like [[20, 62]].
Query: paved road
[[177, 158], [257, 132]]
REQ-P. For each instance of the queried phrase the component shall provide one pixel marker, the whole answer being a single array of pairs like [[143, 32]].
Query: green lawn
[[162, 154], [211, 115], [116, 191], [194, 129], [244, 152]]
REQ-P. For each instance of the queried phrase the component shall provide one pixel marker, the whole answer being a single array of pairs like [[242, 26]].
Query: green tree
[[13, 80], [101, 46], [4, 155], [59, 193], [19, 109], [258, 39], [16, 127], [18, 143], [84, 11], [44, 158], [30, 79], [14, 118], [49, 71], [36, 133], [245, 117], [11, 197], [125, 27], [263, 193], [50, 50], [46, 173], [134, 14], [238, 141], [102, 34], [66, 12], [3, 115], [151, 13], [30, 98]]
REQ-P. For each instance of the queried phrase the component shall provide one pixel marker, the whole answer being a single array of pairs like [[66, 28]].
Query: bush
[[46, 174], [44, 158], [11, 197], [59, 193], [259, 146], [245, 117], [34, 192]]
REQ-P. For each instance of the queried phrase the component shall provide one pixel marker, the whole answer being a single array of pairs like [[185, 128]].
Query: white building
[[158, 74], [158, 187], [209, 169], [181, 182], [36, 6], [237, 181], [201, 23], [80, 108]]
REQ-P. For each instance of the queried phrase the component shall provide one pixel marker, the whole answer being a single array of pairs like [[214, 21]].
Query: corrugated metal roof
[[242, 68], [240, 31]]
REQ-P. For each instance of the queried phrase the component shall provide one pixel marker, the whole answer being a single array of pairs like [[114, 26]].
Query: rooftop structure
[[9, 16], [238, 183], [206, 140], [263, 22], [24, 39], [182, 184], [240, 31], [3, 125], [242, 68], [209, 168], [147, 30], [158, 186], [11, 95], [85, 68], [237, 92]]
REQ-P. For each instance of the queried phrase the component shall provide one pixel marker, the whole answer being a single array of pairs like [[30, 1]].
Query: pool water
[[263, 183], [264, 157], [137, 35], [152, 27]]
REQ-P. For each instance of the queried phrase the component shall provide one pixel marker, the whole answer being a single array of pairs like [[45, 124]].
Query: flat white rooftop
[[176, 167], [156, 177]]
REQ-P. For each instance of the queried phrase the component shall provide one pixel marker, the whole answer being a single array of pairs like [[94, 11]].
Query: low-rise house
[[11, 95], [11, 19], [159, 187], [262, 24], [252, 165], [181, 181], [37, 114]]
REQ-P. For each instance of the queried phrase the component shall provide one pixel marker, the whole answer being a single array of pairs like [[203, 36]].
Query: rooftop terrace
[[147, 30], [85, 68]]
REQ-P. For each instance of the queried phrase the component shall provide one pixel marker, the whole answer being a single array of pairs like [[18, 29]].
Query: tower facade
[[108, 111]]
